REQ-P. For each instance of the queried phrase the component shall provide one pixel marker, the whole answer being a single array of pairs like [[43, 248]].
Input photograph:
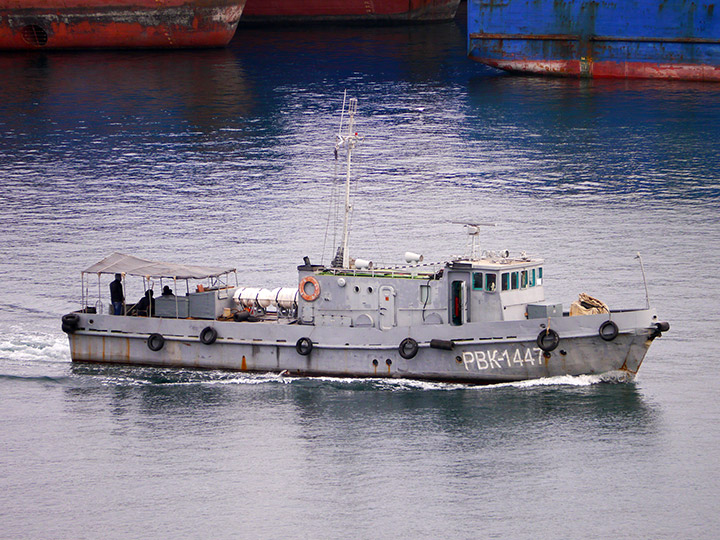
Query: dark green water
[[226, 157]]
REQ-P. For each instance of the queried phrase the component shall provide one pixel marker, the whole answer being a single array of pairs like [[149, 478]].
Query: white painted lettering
[[468, 358], [495, 359], [491, 358], [480, 359], [506, 356]]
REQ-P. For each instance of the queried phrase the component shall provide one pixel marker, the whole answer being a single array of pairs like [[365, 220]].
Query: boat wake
[[19, 345]]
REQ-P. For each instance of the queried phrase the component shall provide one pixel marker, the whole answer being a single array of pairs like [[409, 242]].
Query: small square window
[[490, 282], [477, 280]]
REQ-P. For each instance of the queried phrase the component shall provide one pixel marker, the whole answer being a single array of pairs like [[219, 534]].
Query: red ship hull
[[349, 10], [95, 24]]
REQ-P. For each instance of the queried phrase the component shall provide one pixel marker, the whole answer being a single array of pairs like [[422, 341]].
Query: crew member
[[116, 295]]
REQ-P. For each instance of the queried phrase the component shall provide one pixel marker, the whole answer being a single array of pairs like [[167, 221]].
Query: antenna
[[473, 230], [349, 141], [642, 269]]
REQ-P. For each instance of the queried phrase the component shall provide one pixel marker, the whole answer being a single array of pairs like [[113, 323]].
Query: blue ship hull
[[666, 39]]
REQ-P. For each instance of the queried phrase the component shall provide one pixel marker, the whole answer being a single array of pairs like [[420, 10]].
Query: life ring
[[316, 291], [155, 342], [408, 348], [70, 323], [304, 346], [548, 340], [608, 330], [208, 335]]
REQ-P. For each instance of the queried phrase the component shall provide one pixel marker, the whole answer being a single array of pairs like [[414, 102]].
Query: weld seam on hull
[[574, 37]]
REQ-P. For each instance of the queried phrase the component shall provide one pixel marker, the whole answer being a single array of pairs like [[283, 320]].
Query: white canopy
[[119, 263]]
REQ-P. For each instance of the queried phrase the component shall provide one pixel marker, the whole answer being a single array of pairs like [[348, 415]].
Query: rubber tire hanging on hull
[[208, 335], [155, 342], [608, 330], [548, 340], [70, 323], [408, 348], [304, 346]]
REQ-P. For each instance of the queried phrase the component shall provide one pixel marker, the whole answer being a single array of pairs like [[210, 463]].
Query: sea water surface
[[226, 157]]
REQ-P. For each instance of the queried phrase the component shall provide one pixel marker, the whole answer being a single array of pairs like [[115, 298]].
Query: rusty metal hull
[[266, 11], [361, 352], [647, 39], [93, 24]]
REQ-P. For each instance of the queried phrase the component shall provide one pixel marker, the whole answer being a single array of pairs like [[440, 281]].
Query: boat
[[477, 318], [95, 24], [646, 39], [291, 11]]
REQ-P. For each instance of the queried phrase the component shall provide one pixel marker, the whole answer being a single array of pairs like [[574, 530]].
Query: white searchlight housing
[[362, 264], [413, 258]]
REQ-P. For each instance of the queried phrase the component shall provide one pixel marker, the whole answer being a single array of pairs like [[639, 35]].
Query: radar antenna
[[473, 242]]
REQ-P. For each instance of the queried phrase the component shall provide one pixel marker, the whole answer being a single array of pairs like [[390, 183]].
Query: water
[[225, 157]]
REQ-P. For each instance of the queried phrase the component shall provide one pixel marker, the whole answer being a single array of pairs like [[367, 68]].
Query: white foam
[[20, 345]]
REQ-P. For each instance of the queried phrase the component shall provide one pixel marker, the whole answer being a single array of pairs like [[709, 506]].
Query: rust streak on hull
[[94, 25]]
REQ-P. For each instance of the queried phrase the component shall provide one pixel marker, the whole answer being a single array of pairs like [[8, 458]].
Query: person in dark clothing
[[167, 291], [146, 306], [116, 295]]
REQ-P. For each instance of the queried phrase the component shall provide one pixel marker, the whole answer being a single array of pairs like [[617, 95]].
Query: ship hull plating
[[480, 353], [264, 11], [674, 39], [140, 24]]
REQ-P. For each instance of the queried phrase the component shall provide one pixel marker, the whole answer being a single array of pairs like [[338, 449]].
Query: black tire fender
[[304, 346], [608, 330], [208, 335], [155, 342], [548, 340], [70, 323], [408, 348]]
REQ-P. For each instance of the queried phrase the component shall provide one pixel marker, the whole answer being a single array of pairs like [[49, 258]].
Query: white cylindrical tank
[[363, 264], [251, 296], [265, 297], [285, 297]]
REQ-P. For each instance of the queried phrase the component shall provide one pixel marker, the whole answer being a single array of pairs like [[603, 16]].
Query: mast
[[349, 141]]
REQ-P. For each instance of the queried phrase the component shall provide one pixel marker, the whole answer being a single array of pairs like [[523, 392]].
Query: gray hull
[[489, 352]]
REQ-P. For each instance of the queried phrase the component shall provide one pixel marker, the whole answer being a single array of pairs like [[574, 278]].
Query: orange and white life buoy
[[316, 288]]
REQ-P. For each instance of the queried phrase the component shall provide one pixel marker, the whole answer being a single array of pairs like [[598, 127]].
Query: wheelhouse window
[[514, 280], [490, 282], [524, 279], [540, 276], [478, 281], [532, 277], [505, 281]]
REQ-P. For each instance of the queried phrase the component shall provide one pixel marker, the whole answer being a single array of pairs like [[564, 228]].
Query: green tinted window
[[505, 281], [478, 280], [490, 282], [514, 280]]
